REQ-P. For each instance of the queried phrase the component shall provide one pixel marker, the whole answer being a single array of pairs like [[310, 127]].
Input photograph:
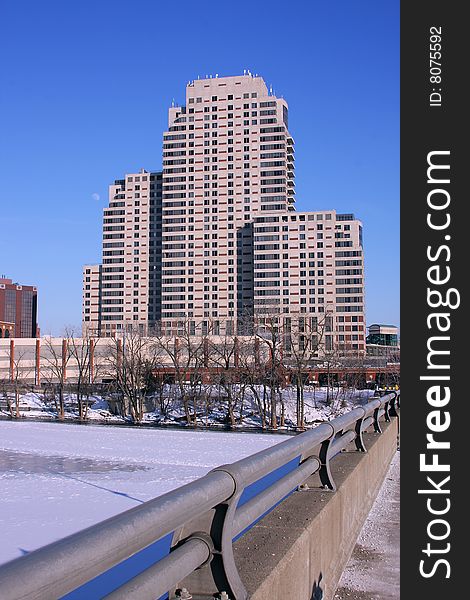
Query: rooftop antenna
[[271, 89], [244, 71], [173, 103], [216, 75]]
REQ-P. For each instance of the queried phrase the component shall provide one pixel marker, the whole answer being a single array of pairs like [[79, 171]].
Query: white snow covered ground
[[57, 478], [316, 407]]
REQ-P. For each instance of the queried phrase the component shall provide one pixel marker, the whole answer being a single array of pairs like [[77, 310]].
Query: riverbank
[[319, 405]]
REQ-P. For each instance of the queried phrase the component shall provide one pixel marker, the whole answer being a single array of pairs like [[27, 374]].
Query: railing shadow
[[100, 487]]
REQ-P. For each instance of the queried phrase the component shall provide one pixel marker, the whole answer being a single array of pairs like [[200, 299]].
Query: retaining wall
[[301, 548]]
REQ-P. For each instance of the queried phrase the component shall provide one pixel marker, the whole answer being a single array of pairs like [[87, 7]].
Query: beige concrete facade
[[116, 293], [310, 266], [35, 361], [213, 244], [227, 156], [124, 287], [91, 299]]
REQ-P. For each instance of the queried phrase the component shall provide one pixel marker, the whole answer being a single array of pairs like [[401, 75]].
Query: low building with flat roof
[[383, 340]]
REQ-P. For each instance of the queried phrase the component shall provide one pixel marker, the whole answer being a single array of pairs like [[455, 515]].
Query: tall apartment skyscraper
[[125, 288], [213, 244], [227, 156]]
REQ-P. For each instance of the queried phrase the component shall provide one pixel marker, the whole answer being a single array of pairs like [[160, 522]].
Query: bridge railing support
[[204, 517]]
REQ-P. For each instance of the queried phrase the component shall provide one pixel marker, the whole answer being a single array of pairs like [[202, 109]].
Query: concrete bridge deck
[[301, 548], [373, 572]]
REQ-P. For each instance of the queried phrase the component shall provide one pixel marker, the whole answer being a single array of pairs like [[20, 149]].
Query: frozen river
[[56, 479]]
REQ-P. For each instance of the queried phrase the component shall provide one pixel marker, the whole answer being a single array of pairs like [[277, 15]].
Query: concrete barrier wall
[[300, 549]]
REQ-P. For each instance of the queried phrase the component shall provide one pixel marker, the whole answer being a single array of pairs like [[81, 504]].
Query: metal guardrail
[[204, 516]]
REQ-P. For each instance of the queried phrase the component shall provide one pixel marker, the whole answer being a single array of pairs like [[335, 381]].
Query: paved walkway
[[373, 572]]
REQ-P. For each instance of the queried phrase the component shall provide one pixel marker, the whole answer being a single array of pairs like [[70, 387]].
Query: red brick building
[[18, 308]]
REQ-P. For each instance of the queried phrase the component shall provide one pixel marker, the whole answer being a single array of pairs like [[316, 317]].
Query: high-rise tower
[[213, 245], [125, 289], [227, 156]]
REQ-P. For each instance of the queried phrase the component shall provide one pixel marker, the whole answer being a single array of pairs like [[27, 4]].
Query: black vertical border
[[425, 129]]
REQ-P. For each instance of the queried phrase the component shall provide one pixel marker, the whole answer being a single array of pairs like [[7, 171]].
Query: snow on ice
[[58, 478]]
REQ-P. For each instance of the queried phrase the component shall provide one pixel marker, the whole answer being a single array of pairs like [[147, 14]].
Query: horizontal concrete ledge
[[301, 548]]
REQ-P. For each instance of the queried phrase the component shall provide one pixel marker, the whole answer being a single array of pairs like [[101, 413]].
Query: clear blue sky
[[84, 97]]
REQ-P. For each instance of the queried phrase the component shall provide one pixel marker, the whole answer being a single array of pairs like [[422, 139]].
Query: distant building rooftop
[[383, 335]]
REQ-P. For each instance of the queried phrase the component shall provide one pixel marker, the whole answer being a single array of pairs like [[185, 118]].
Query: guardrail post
[[359, 441], [377, 427], [223, 567], [393, 405], [386, 413], [325, 472], [326, 477], [220, 572]]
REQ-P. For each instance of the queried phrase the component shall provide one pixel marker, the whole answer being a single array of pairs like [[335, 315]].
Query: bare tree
[[302, 340], [6, 395], [354, 378], [269, 331], [224, 362], [81, 349], [130, 366], [161, 388], [251, 373], [20, 373], [56, 359], [157, 384], [187, 355]]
